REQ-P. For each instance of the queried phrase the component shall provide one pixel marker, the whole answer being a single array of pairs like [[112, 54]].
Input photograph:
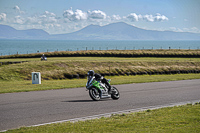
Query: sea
[[11, 47]]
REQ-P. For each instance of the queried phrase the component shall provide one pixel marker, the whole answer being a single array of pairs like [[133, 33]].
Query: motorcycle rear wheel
[[116, 95], [94, 94]]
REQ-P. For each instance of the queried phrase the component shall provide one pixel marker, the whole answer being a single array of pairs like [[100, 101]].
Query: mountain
[[7, 32], [123, 31], [114, 31]]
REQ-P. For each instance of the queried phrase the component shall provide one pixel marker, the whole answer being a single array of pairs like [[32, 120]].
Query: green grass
[[113, 53], [181, 119], [54, 72], [152, 59], [26, 85], [59, 68]]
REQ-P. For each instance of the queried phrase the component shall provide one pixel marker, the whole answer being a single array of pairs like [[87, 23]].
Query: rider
[[98, 77], [43, 56]]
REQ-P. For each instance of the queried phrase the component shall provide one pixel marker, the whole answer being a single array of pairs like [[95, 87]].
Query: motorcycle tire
[[115, 96], [94, 94]]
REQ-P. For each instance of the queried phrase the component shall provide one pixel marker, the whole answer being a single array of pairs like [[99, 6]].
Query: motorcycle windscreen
[[89, 78]]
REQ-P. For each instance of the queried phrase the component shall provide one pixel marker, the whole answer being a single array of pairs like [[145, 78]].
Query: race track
[[32, 108]]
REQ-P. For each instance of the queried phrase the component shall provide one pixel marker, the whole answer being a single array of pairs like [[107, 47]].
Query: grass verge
[[26, 85], [184, 119], [73, 67]]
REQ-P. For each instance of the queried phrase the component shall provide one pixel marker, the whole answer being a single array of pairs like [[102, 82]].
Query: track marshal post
[[36, 78]]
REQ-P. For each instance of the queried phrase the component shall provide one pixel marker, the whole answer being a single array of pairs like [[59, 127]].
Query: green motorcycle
[[99, 90]]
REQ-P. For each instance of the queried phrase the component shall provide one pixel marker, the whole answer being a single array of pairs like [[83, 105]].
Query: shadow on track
[[77, 101]]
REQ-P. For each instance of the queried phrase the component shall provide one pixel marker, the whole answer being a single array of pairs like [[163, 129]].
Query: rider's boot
[[109, 90]]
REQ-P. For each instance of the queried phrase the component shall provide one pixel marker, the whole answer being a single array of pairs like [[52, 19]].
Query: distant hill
[[7, 32], [114, 31]]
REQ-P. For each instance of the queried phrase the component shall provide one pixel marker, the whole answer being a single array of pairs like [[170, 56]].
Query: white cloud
[[97, 14], [47, 21], [159, 17], [70, 15], [193, 29], [19, 20], [116, 17], [33, 20], [2, 17], [80, 15], [134, 17], [49, 14], [71, 20], [18, 10], [148, 17], [45, 18]]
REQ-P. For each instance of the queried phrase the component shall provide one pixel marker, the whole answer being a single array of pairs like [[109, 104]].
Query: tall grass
[[71, 67], [113, 53]]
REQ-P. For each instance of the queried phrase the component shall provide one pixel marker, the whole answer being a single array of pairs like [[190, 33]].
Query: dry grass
[[70, 67], [113, 53]]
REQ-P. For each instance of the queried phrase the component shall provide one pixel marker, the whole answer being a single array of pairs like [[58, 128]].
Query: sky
[[66, 16]]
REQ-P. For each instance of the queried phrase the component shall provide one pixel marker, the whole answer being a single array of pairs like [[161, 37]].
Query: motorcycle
[[44, 58], [99, 90]]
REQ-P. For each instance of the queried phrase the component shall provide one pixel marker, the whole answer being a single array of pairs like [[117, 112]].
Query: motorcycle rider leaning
[[98, 77]]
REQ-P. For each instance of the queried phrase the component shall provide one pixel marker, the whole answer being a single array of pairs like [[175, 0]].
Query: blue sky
[[65, 16]]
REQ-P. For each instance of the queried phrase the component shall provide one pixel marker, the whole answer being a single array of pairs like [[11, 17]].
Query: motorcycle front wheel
[[115, 96], [94, 94]]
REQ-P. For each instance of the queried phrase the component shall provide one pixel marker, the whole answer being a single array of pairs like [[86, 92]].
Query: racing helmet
[[91, 73]]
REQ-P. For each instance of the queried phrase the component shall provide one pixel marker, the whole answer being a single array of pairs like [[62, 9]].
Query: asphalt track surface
[[32, 108]]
